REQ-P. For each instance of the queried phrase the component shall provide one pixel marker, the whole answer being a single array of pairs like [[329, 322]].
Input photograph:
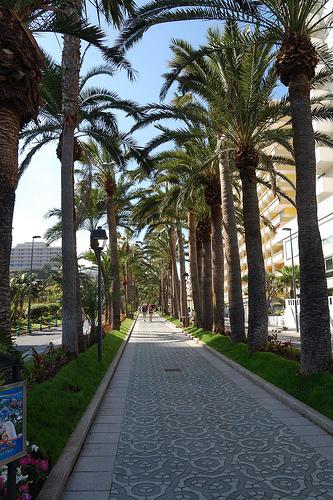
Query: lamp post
[[30, 281], [185, 278], [294, 276], [97, 241]]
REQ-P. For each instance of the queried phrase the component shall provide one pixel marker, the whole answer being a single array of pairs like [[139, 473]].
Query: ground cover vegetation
[[76, 383], [314, 390], [58, 387], [191, 191]]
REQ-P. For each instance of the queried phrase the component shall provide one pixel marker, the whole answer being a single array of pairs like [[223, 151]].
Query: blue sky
[[39, 188]]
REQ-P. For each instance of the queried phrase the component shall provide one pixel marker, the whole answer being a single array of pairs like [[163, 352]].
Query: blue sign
[[12, 422]]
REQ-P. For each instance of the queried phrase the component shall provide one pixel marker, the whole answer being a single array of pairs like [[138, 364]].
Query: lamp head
[[35, 237], [98, 238], [286, 229]]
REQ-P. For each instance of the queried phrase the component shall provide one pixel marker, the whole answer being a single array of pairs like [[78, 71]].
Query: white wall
[[289, 314]]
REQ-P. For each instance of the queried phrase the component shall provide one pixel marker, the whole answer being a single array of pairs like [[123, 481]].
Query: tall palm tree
[[105, 164], [201, 127], [157, 210], [226, 61], [21, 63], [290, 25], [97, 107], [71, 60]]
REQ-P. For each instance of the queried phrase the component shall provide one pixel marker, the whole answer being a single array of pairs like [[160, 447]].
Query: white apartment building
[[20, 259]]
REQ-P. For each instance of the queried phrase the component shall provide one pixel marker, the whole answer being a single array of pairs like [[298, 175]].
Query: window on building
[[287, 247], [328, 245], [329, 264]]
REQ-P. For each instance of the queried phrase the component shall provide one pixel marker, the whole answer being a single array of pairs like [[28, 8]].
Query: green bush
[[44, 310]]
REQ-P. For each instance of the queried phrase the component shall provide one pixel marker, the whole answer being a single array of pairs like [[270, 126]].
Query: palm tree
[[71, 61], [157, 210], [155, 255], [117, 194], [290, 25], [106, 271], [21, 63], [286, 278], [226, 62], [194, 269], [97, 106], [240, 97]]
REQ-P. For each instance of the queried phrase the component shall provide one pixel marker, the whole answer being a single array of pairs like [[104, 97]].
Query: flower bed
[[30, 475]]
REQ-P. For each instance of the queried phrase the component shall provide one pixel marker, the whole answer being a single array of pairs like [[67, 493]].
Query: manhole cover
[[172, 370]]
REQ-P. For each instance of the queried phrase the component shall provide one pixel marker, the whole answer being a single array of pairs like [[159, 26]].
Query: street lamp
[[30, 280], [185, 277], [97, 241], [294, 276]]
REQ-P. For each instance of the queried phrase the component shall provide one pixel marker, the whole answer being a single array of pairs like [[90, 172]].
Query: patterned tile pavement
[[191, 431]]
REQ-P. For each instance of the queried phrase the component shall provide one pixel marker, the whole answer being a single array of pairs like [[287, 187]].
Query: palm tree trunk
[[183, 292], [81, 339], [199, 257], [217, 269], [116, 297], [9, 133], [195, 283], [206, 283], [234, 280], [175, 279], [20, 69], [258, 318], [175, 292], [70, 93], [161, 295], [167, 294], [314, 311], [107, 305]]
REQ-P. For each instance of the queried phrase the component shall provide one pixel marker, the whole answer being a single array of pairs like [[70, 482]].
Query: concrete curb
[[302, 408], [56, 482]]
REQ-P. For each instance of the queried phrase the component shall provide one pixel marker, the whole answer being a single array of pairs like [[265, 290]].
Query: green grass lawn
[[314, 390], [173, 320], [56, 406]]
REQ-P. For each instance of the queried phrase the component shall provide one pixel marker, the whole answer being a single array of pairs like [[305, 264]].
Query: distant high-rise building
[[20, 259]]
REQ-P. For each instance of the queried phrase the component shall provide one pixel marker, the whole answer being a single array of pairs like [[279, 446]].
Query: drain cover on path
[[172, 370]]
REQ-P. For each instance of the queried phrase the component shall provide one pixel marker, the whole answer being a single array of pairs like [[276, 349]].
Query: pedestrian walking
[[150, 312], [144, 309]]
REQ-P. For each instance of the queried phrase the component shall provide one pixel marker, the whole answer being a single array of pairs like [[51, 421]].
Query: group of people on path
[[147, 309]]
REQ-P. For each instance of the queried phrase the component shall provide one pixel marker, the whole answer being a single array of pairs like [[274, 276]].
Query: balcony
[[324, 187], [324, 159]]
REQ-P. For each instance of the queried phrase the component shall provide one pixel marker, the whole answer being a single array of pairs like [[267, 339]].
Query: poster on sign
[[12, 422]]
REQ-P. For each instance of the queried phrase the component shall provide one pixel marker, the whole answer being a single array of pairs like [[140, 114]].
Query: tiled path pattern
[[177, 423]]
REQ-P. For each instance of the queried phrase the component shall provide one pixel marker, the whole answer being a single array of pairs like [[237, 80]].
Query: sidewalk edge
[[56, 482], [306, 411]]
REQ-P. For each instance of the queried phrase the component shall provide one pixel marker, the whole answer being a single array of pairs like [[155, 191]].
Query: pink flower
[[27, 460], [24, 488], [26, 496], [44, 464]]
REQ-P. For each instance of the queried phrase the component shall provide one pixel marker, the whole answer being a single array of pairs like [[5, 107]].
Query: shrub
[[44, 310], [284, 349], [45, 365], [107, 327]]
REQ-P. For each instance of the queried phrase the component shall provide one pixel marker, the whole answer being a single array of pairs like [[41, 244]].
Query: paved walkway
[[178, 423]]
